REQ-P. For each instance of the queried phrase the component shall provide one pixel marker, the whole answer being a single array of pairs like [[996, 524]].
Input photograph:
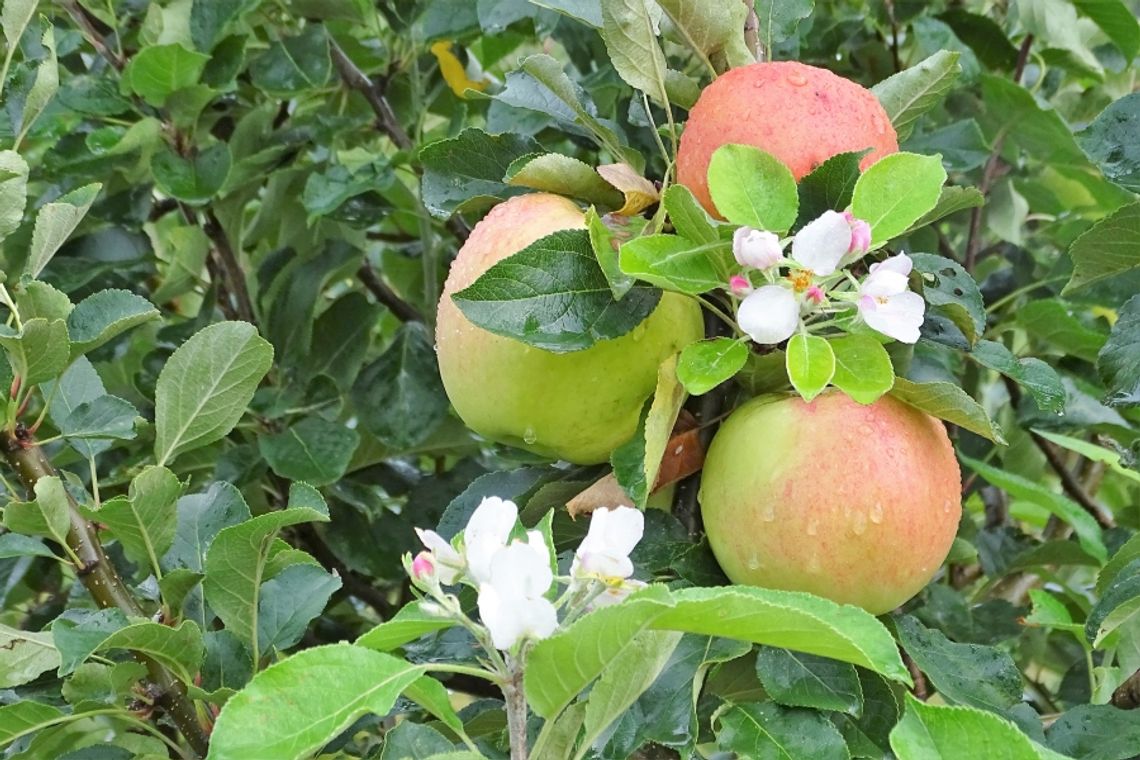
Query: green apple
[[855, 503], [576, 406]]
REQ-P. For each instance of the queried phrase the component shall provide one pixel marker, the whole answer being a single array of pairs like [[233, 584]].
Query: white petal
[[614, 531], [899, 317], [521, 570], [883, 283], [822, 242], [449, 563], [487, 531], [603, 565], [756, 248], [769, 315], [899, 263], [500, 617], [615, 594]]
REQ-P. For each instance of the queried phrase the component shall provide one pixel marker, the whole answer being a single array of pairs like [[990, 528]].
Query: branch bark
[[229, 266], [102, 581], [516, 711], [403, 310], [1127, 695]]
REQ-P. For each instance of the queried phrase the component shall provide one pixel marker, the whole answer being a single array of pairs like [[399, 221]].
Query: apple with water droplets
[[856, 503], [576, 406]]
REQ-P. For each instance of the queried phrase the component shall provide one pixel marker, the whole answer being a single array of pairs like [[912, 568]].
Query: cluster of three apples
[[855, 503]]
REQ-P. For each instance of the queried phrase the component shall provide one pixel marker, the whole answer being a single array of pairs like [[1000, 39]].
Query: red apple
[[855, 503], [802, 115]]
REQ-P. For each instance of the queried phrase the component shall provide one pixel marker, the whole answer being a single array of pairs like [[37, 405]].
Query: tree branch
[[1127, 695], [102, 581], [230, 267], [990, 172], [403, 310], [87, 28]]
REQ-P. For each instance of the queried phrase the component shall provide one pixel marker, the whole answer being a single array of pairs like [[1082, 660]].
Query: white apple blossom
[[887, 305], [769, 315], [822, 242], [615, 593], [487, 532], [511, 601], [756, 248], [604, 552], [448, 563]]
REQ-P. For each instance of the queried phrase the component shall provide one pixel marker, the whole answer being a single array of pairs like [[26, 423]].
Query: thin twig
[[87, 28], [103, 582], [230, 267], [920, 689], [402, 310], [752, 31], [990, 172]]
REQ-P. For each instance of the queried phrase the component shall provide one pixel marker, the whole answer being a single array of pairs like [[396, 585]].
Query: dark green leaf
[[194, 179], [470, 167], [1095, 732], [795, 679], [314, 450], [289, 601], [104, 315], [553, 295], [952, 291], [157, 71], [1053, 321], [1110, 248], [1037, 377], [829, 186], [949, 402], [909, 94], [294, 64], [765, 730]]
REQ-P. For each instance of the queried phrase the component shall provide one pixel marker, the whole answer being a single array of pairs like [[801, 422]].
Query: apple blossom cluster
[[814, 281], [513, 570]]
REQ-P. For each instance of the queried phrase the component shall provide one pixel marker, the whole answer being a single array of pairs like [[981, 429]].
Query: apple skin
[[858, 504], [802, 115], [576, 406]]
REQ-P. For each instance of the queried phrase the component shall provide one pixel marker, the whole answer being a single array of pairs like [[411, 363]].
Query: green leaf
[[13, 187], [829, 186], [970, 674], [1032, 374], [863, 368], [179, 649], [1084, 525], [38, 299], [39, 351], [555, 173], [934, 732], [711, 28], [811, 364], [961, 143], [766, 730], [951, 200], [895, 192], [209, 20], [688, 216], [629, 31], [637, 462], [14, 545], [752, 187], [540, 84], [296, 706], [560, 667], [948, 402], [341, 338], [1123, 557], [314, 450], [707, 363], [779, 20], [673, 263], [14, 20], [1117, 21], [24, 655], [25, 717], [54, 224], [554, 295], [206, 385], [46, 515], [399, 397], [414, 741], [1108, 249], [625, 679], [408, 624], [1053, 321], [606, 244], [144, 521], [79, 385], [795, 679], [1092, 451], [1095, 732], [193, 179], [157, 71], [105, 315], [469, 168], [434, 698], [952, 292], [1012, 110], [909, 94], [44, 88], [1050, 612], [1119, 607], [289, 602], [236, 562], [295, 64], [201, 516]]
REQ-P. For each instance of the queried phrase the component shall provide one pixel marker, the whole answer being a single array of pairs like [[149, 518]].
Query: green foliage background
[[306, 168]]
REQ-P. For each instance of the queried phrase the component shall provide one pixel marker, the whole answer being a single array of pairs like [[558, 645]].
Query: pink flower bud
[[815, 294], [756, 248], [860, 234], [740, 285], [423, 568]]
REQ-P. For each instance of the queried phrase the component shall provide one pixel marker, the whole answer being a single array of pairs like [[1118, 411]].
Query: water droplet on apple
[[812, 527], [947, 506], [754, 562], [877, 123], [530, 436], [813, 566], [768, 512], [859, 523], [797, 80], [876, 513]]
